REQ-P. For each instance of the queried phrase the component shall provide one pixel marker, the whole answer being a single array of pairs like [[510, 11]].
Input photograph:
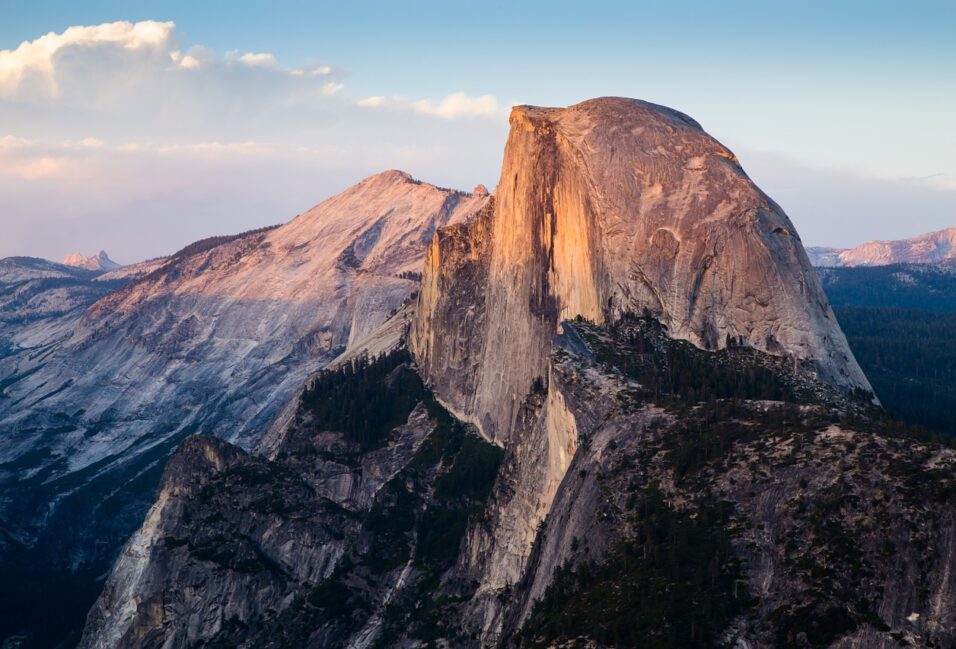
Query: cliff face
[[609, 206], [309, 546]]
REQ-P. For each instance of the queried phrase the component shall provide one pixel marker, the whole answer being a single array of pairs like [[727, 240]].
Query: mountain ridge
[[937, 247]]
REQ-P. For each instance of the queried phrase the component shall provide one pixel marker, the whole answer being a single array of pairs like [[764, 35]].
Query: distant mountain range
[[99, 261], [930, 248]]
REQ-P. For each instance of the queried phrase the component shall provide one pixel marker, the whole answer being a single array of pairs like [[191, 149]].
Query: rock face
[[214, 339], [609, 206], [41, 300], [309, 545], [684, 447], [930, 248], [785, 528], [98, 262]]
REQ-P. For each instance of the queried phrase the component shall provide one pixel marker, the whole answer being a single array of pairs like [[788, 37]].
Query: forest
[[900, 322]]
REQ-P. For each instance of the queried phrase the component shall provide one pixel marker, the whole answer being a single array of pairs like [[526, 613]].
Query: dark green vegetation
[[412, 531], [670, 583], [364, 399], [910, 358], [900, 322], [687, 506], [900, 286], [418, 519], [677, 372]]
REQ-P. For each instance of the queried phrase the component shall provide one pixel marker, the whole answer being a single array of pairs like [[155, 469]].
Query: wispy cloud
[[454, 106]]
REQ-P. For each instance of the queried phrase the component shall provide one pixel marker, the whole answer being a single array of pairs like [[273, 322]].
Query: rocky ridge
[[608, 206], [930, 248]]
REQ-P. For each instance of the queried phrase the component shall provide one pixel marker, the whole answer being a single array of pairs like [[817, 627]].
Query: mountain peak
[[392, 176], [609, 207], [607, 109], [99, 261]]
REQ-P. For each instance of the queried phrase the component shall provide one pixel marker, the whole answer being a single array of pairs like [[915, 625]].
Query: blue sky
[[842, 111]]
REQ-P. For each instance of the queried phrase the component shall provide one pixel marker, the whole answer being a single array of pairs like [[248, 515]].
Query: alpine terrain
[[102, 375], [619, 412]]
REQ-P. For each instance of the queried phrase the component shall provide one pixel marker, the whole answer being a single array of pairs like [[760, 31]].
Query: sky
[[139, 127]]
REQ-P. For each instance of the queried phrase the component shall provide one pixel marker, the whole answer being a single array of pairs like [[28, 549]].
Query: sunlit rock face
[[214, 339], [608, 206], [605, 208], [99, 262], [930, 248]]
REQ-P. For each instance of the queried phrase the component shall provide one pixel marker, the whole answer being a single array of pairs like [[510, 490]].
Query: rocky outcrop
[[840, 535], [784, 527], [309, 546], [930, 248], [609, 206]]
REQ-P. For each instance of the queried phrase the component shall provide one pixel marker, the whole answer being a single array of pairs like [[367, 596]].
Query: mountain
[[931, 248], [213, 339], [100, 261], [36, 294], [622, 414], [607, 207]]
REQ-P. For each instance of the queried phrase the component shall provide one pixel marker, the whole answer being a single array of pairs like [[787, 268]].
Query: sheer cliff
[[608, 206], [786, 513]]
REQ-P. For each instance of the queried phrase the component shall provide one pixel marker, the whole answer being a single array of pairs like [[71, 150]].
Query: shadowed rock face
[[608, 206], [214, 339]]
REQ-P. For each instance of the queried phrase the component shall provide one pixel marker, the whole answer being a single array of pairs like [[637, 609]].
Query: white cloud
[[372, 102], [459, 105], [121, 136], [454, 106], [261, 60], [213, 148], [34, 62]]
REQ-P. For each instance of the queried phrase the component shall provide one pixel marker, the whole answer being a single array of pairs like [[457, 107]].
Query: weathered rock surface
[[930, 248], [783, 525], [608, 206], [712, 471], [214, 339], [304, 548]]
